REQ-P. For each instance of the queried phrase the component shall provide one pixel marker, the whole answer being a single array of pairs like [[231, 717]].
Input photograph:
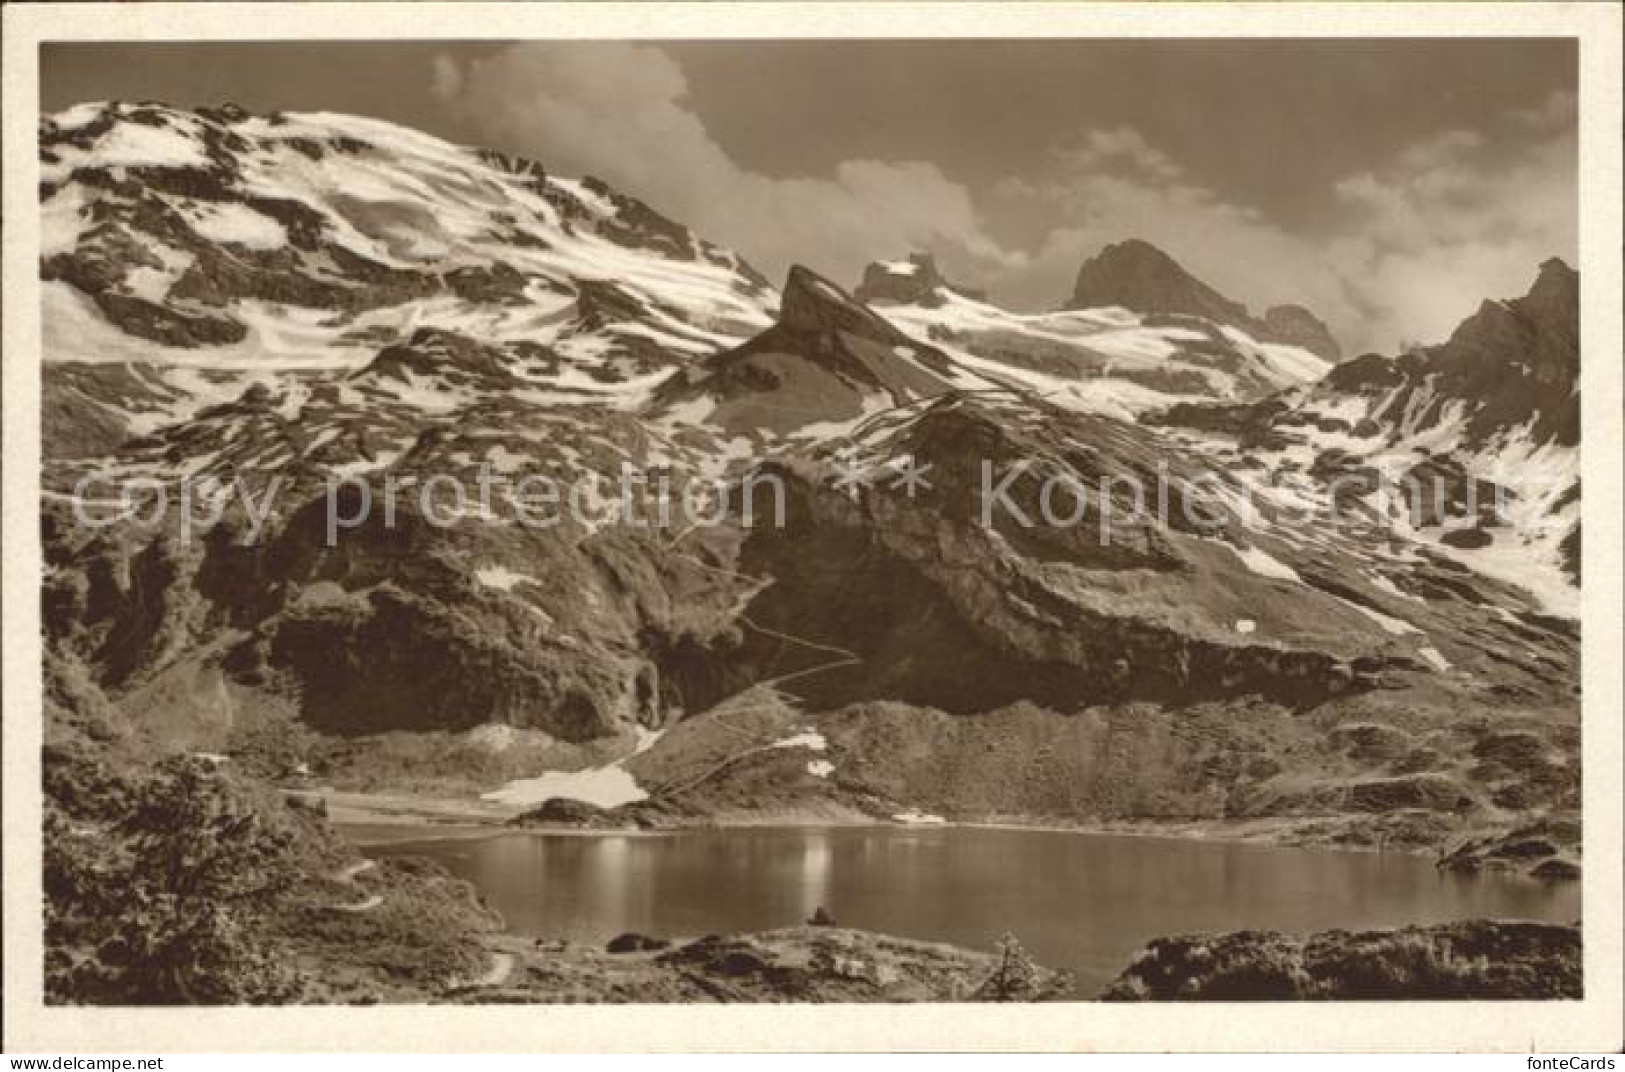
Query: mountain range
[[259, 309]]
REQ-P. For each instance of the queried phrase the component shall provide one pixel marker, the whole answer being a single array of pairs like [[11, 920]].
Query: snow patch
[[1434, 659], [138, 145], [820, 768], [1396, 626], [590, 199], [503, 460], [1382, 584], [1265, 564], [604, 787], [827, 291], [502, 578], [690, 411], [228, 221], [496, 736], [608, 786], [809, 739]]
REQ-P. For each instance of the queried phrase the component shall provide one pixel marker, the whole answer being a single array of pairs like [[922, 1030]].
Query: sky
[[1389, 185]]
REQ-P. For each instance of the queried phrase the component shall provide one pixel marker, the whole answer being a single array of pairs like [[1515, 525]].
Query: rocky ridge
[[1474, 439], [1479, 960]]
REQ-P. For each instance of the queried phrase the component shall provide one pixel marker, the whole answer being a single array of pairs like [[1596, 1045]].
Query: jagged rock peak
[[1555, 292], [1137, 276], [1140, 277], [913, 281], [1550, 309], [812, 304], [1514, 363]]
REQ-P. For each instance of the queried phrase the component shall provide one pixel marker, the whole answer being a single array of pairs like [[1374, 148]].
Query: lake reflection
[[1081, 901]]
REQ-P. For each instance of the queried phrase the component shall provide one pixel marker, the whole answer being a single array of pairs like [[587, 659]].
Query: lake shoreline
[[1086, 905], [371, 819]]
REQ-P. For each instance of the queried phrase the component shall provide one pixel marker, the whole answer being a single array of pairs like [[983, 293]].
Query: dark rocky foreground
[[1474, 960], [806, 963]]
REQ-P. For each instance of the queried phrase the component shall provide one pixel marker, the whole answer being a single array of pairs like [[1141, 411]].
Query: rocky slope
[[1223, 598], [1242, 666], [1210, 631], [1470, 447]]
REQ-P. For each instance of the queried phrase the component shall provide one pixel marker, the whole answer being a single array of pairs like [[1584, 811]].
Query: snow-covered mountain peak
[[1106, 358], [250, 244], [915, 280]]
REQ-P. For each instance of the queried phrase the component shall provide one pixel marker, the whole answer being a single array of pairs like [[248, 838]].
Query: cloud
[[1556, 113], [1115, 185], [619, 111], [1122, 150], [1405, 249], [1401, 250], [446, 81], [1455, 219]]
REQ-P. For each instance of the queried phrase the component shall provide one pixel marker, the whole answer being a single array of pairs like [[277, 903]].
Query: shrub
[[161, 909]]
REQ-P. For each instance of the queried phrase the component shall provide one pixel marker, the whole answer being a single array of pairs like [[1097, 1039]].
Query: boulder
[[633, 942], [1473, 960]]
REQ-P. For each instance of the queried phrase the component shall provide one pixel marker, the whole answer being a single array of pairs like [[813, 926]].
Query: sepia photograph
[[622, 519]]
